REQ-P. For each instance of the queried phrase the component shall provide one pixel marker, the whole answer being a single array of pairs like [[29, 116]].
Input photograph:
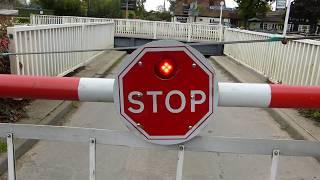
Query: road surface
[[60, 160]]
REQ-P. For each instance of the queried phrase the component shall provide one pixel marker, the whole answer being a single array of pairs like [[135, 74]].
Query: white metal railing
[[57, 37], [93, 137], [51, 19], [167, 30], [296, 63], [144, 29]]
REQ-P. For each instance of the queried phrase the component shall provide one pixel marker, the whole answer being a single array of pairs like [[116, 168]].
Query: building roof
[[274, 16], [255, 19]]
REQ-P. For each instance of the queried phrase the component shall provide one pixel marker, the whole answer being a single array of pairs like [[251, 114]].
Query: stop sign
[[165, 92]]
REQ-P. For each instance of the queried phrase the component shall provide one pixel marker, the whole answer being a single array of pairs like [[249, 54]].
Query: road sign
[[281, 4], [165, 91]]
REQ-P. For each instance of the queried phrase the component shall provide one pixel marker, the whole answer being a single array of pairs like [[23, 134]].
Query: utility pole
[[164, 5], [89, 8], [127, 9]]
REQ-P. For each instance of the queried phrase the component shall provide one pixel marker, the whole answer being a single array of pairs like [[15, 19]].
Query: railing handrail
[[309, 41], [128, 20], [294, 63], [53, 26], [254, 32], [57, 37]]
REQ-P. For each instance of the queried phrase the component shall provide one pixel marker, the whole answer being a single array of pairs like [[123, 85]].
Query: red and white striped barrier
[[101, 90], [57, 88], [268, 95]]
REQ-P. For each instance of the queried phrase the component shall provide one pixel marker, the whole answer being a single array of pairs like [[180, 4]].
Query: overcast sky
[[153, 4]]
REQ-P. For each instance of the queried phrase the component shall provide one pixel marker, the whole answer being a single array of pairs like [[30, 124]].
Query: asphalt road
[[59, 160]]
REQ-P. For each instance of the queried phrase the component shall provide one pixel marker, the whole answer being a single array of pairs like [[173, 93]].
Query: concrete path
[[59, 160]]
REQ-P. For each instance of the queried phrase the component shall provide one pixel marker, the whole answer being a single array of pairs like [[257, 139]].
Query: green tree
[[250, 8], [140, 11], [106, 8], [308, 11], [157, 16], [45, 4], [98, 8], [61, 7], [172, 7], [68, 7]]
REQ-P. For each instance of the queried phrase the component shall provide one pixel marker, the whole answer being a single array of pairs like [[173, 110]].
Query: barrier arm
[[101, 90]]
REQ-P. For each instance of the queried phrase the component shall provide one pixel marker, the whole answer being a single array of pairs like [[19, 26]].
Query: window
[[265, 26]]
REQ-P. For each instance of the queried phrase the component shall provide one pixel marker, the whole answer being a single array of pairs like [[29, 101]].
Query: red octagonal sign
[[165, 92]]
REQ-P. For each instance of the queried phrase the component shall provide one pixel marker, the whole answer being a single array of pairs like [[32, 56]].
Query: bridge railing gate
[[274, 148]]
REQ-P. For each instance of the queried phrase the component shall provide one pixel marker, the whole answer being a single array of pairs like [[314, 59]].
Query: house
[[272, 22], [202, 11]]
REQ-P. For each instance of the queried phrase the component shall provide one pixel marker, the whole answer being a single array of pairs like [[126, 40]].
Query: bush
[[4, 60], [12, 110], [22, 20], [4, 44], [313, 114]]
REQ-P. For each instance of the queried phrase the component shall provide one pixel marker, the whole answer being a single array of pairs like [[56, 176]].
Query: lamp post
[[285, 27], [221, 8], [220, 23]]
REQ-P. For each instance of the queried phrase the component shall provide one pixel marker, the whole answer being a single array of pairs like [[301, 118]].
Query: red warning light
[[165, 69]]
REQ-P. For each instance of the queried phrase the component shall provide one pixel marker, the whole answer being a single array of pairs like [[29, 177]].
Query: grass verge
[[313, 114]]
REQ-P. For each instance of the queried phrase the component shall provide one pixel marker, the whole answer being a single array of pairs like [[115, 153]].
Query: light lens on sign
[[165, 69]]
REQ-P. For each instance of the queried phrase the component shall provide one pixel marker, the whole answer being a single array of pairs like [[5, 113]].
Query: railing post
[[221, 32], [32, 19], [189, 32], [180, 163], [11, 158], [13, 47], [83, 39], [92, 157], [274, 164], [154, 30]]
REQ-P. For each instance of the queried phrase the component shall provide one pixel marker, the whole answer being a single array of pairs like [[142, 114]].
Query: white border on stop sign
[[166, 45]]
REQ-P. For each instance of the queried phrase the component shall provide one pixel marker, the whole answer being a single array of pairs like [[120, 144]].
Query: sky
[[153, 4]]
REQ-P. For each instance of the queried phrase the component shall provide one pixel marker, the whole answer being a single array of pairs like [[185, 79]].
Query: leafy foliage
[[4, 61], [61, 7], [157, 16], [97, 8], [4, 44], [172, 5], [105, 8], [308, 11], [140, 11], [10, 110], [313, 114], [250, 8], [3, 146]]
